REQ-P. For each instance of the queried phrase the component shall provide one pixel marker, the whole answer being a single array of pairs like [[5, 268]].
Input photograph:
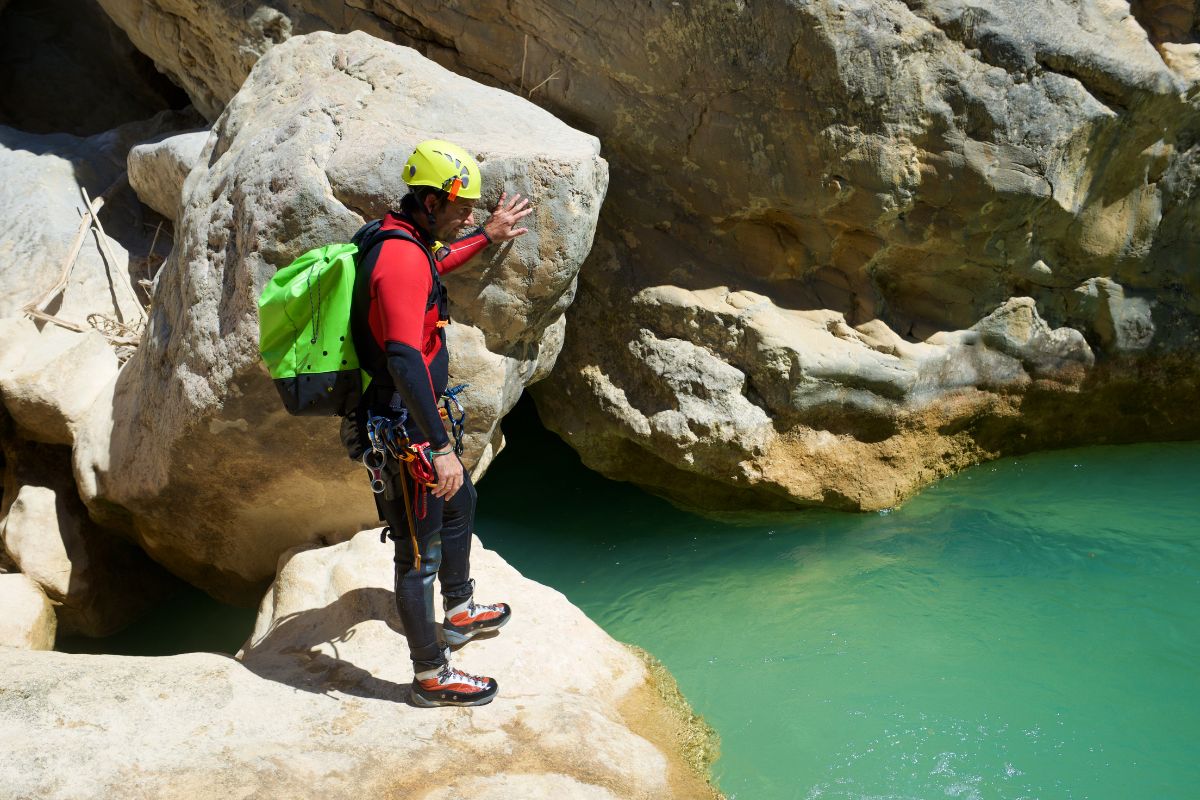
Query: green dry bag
[[304, 332]]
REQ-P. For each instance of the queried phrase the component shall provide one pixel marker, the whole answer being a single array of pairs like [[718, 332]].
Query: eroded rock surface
[[800, 407], [28, 620], [312, 145], [50, 379], [157, 169], [40, 205], [913, 165], [317, 706], [948, 159]]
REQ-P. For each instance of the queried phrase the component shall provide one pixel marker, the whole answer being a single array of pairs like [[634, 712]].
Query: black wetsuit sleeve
[[411, 379]]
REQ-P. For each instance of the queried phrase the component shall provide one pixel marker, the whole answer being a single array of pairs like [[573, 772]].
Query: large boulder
[[1004, 151], [27, 621], [915, 166], [50, 379], [40, 206], [736, 397], [317, 706], [97, 581], [158, 168], [311, 147]]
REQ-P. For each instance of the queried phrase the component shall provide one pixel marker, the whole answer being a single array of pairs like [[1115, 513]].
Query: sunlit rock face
[[191, 446], [28, 622], [40, 205], [907, 170], [322, 687]]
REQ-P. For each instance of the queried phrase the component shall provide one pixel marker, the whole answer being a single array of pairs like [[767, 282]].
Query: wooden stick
[[68, 264], [147, 283], [102, 238], [553, 76], [36, 314], [524, 55]]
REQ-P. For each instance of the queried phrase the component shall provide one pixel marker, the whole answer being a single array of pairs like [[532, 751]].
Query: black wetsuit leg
[[443, 539]]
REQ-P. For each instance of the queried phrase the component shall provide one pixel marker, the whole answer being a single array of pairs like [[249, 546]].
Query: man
[[399, 313]]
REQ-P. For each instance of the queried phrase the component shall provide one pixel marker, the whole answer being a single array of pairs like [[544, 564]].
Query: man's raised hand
[[499, 226]]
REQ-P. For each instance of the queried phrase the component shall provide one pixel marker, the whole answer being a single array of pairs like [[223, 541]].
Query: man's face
[[451, 216]]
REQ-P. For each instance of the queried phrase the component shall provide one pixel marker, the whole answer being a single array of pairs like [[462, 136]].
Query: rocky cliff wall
[[906, 170]]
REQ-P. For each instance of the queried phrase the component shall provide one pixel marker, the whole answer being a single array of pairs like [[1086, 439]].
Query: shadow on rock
[[296, 650]]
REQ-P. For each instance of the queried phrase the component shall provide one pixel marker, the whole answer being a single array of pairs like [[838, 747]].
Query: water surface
[[1027, 629]]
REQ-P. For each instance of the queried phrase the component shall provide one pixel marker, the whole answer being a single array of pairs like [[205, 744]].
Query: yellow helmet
[[443, 166]]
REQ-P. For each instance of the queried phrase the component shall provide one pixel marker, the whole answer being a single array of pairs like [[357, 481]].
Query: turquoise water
[[188, 621], [1027, 629]]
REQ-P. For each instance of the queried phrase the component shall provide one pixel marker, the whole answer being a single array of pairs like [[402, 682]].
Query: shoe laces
[[448, 674], [474, 608]]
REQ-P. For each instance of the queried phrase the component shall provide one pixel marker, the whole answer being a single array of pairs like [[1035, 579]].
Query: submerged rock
[[312, 146], [317, 705]]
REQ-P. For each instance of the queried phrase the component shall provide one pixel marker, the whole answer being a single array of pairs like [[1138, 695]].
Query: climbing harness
[[389, 445]]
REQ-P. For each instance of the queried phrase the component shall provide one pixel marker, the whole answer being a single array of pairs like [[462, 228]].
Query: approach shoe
[[470, 618], [446, 686]]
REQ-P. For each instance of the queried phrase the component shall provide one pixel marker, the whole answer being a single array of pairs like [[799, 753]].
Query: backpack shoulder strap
[[370, 236]]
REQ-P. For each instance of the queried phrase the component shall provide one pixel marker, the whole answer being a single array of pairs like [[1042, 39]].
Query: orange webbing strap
[[412, 526]]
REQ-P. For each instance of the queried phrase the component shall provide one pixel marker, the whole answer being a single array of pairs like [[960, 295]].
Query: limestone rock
[[527, 787], [903, 165], [6, 562], [1168, 21], [55, 381], [98, 582], [27, 621], [39, 219], [311, 146], [317, 706], [207, 48], [349, 587], [1016, 329], [17, 332], [718, 385], [157, 169], [1122, 324]]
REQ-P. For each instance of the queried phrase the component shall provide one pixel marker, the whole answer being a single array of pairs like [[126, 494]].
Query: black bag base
[[321, 394]]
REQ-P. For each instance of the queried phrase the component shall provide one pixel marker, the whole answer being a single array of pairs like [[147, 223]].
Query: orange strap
[[412, 526]]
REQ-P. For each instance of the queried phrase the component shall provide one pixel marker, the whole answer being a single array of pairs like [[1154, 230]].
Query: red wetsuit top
[[402, 324]]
